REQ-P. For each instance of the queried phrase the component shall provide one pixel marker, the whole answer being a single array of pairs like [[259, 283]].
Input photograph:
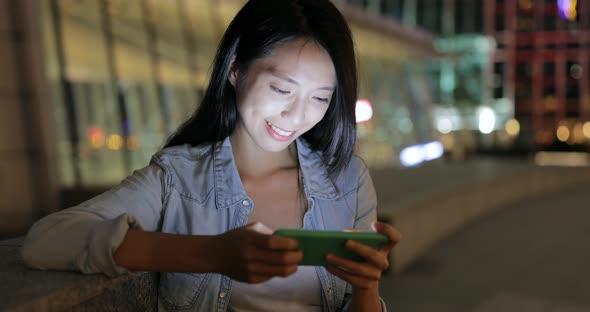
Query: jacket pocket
[[181, 291]]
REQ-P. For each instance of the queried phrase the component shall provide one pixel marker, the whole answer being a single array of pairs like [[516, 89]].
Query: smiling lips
[[278, 133]]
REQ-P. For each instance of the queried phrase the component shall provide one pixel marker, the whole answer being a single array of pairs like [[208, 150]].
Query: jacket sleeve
[[83, 238], [366, 214]]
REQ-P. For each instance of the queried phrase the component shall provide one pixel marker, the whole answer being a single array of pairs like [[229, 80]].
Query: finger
[[258, 279], [392, 234], [254, 278], [276, 257], [364, 270], [259, 227], [354, 280], [377, 258], [275, 242], [258, 268]]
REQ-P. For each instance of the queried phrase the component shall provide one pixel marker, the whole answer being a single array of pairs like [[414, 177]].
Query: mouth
[[279, 133]]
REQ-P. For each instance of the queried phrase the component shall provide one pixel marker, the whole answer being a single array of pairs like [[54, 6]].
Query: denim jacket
[[196, 190]]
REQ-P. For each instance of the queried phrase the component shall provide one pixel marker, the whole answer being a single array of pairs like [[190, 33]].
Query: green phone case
[[317, 244]]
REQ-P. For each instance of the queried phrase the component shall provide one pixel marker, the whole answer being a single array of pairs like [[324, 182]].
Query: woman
[[269, 147]]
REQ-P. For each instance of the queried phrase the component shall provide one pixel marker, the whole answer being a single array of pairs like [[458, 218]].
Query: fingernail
[[373, 226]]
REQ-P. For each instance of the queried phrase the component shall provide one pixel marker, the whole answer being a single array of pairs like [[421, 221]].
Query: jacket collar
[[316, 180], [229, 189]]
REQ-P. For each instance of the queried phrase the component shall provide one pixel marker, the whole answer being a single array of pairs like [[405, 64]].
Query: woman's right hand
[[252, 254]]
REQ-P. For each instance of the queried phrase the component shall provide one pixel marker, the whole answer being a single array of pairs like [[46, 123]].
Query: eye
[[320, 99], [279, 91]]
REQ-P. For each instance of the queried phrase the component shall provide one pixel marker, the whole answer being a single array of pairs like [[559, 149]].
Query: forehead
[[301, 60]]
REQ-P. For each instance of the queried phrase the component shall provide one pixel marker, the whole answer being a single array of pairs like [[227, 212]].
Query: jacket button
[[245, 203], [222, 294]]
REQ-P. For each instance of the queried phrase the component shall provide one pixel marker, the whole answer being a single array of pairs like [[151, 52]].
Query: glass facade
[[125, 74], [544, 43], [536, 70]]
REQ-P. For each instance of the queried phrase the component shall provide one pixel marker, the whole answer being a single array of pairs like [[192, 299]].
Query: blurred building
[[542, 62], [527, 59], [90, 89], [466, 112]]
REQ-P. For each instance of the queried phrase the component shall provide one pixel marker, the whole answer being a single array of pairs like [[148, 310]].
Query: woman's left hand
[[365, 275]]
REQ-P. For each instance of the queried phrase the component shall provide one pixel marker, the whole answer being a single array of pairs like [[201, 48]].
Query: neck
[[253, 162]]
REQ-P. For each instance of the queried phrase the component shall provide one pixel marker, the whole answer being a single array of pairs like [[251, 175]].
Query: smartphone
[[317, 244]]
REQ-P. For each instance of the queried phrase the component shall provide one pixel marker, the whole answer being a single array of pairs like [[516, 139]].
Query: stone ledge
[[431, 219], [27, 290]]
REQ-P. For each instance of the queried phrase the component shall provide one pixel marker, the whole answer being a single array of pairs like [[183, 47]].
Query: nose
[[294, 113]]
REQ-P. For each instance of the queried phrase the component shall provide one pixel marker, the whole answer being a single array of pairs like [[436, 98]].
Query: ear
[[233, 72]]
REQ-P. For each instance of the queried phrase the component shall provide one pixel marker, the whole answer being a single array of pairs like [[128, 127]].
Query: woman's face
[[284, 94]]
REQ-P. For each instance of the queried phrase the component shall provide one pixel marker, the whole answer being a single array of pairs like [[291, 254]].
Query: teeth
[[280, 131]]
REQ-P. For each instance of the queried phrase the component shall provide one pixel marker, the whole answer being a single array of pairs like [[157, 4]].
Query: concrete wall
[[28, 173], [425, 221]]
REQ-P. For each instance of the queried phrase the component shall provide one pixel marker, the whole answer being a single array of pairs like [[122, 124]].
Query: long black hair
[[258, 27]]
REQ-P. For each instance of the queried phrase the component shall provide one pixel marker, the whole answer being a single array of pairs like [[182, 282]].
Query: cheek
[[319, 113], [247, 100], [256, 105], [252, 100]]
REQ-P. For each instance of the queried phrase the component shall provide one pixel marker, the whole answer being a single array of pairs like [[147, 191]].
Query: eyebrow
[[274, 72]]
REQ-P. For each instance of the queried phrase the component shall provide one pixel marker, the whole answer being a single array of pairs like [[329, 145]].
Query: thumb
[[259, 227]]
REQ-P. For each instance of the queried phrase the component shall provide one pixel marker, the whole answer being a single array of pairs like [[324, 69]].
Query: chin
[[274, 146]]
